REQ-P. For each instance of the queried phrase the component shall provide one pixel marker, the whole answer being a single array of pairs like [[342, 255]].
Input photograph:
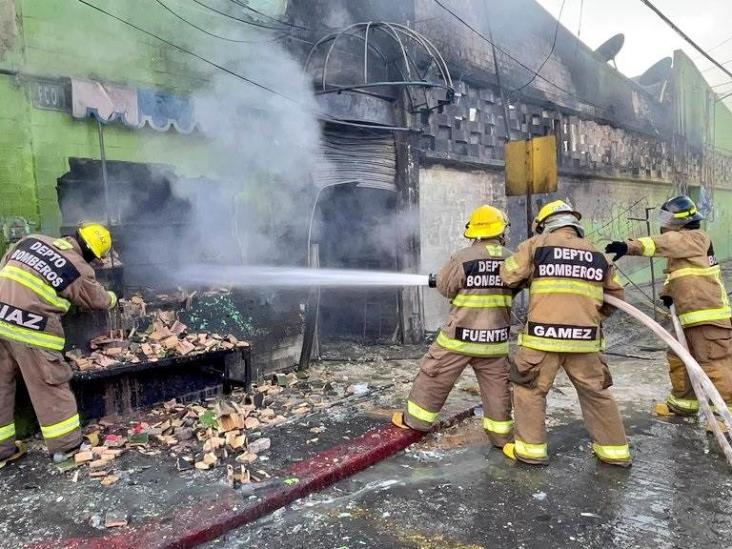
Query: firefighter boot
[[20, 451]]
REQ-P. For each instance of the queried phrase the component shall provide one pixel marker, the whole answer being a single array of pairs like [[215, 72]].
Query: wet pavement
[[454, 491], [451, 490]]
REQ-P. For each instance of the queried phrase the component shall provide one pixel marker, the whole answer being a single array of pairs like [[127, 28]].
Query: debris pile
[[164, 337], [205, 436]]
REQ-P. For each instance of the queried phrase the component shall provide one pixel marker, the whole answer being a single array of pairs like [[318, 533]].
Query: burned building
[[332, 133]]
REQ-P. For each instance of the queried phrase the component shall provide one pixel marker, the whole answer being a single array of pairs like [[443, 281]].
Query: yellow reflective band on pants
[[36, 285], [564, 286], [6, 432], [61, 428], [472, 349], [611, 453], [31, 337], [649, 246], [415, 410], [560, 345], [530, 451], [482, 301], [705, 315], [497, 427], [686, 404]]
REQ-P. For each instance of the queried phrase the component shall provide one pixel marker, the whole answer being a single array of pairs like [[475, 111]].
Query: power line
[[579, 24], [286, 23], [507, 54], [712, 68], [551, 51], [717, 46], [201, 29], [246, 21], [685, 36], [253, 23], [323, 116]]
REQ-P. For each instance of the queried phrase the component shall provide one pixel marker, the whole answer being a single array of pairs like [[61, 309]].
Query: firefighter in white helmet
[[40, 278], [476, 332], [567, 278]]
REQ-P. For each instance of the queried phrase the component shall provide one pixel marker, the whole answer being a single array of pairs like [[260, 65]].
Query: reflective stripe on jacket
[[694, 278], [40, 277], [567, 278], [480, 315]]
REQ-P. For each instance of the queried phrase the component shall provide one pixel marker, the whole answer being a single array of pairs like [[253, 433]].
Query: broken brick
[[251, 423], [83, 457]]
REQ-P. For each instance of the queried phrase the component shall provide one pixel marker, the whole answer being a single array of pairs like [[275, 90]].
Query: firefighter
[[566, 277], [694, 285], [476, 331], [40, 278]]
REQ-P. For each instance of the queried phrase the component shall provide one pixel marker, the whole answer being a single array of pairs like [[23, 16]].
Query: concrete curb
[[209, 520]]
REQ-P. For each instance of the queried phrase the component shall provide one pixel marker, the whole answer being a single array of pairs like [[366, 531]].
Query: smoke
[[263, 146]]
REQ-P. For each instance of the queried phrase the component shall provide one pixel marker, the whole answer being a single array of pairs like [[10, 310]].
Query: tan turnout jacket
[[40, 277], [694, 279], [567, 278], [480, 316]]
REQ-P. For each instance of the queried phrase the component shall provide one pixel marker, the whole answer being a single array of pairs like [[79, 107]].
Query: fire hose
[[703, 386]]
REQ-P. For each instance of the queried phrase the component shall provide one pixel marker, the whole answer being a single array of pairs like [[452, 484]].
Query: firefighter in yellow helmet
[[476, 332], [40, 278], [694, 285], [566, 277]]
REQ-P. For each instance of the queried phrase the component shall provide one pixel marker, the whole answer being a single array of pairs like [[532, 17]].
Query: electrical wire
[[579, 24], [514, 59], [255, 24], [714, 67], [322, 116], [285, 23], [551, 51], [239, 19], [683, 35], [201, 29]]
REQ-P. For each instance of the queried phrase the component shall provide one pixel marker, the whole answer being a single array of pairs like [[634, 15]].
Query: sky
[[648, 38]]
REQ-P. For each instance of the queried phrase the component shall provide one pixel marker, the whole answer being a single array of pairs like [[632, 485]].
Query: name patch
[[563, 331], [21, 317], [54, 268], [559, 262], [483, 273], [498, 335], [711, 256]]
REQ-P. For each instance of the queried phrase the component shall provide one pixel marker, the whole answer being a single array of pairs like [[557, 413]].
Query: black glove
[[432, 280], [667, 301], [618, 248]]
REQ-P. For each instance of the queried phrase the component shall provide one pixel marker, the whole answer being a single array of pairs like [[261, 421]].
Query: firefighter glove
[[618, 248], [667, 301]]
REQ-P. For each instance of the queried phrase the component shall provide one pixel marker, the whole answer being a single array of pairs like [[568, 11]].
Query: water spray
[[296, 277]]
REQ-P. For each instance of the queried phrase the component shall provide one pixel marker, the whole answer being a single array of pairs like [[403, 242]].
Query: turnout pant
[[440, 369], [46, 375], [711, 346], [532, 374]]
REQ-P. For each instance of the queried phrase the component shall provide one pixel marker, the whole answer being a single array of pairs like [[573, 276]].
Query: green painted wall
[[64, 38]]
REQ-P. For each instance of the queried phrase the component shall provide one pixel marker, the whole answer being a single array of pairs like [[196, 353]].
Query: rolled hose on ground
[[703, 386]]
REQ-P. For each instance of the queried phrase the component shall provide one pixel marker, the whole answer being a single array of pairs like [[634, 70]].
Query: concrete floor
[[455, 491]]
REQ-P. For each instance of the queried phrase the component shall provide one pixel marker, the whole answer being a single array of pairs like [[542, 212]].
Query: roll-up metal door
[[357, 155]]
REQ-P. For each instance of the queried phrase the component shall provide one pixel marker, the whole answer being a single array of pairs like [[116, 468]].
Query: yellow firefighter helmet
[[97, 238], [486, 222], [550, 209]]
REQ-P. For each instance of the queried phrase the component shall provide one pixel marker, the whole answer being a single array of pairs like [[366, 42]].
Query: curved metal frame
[[408, 70]]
